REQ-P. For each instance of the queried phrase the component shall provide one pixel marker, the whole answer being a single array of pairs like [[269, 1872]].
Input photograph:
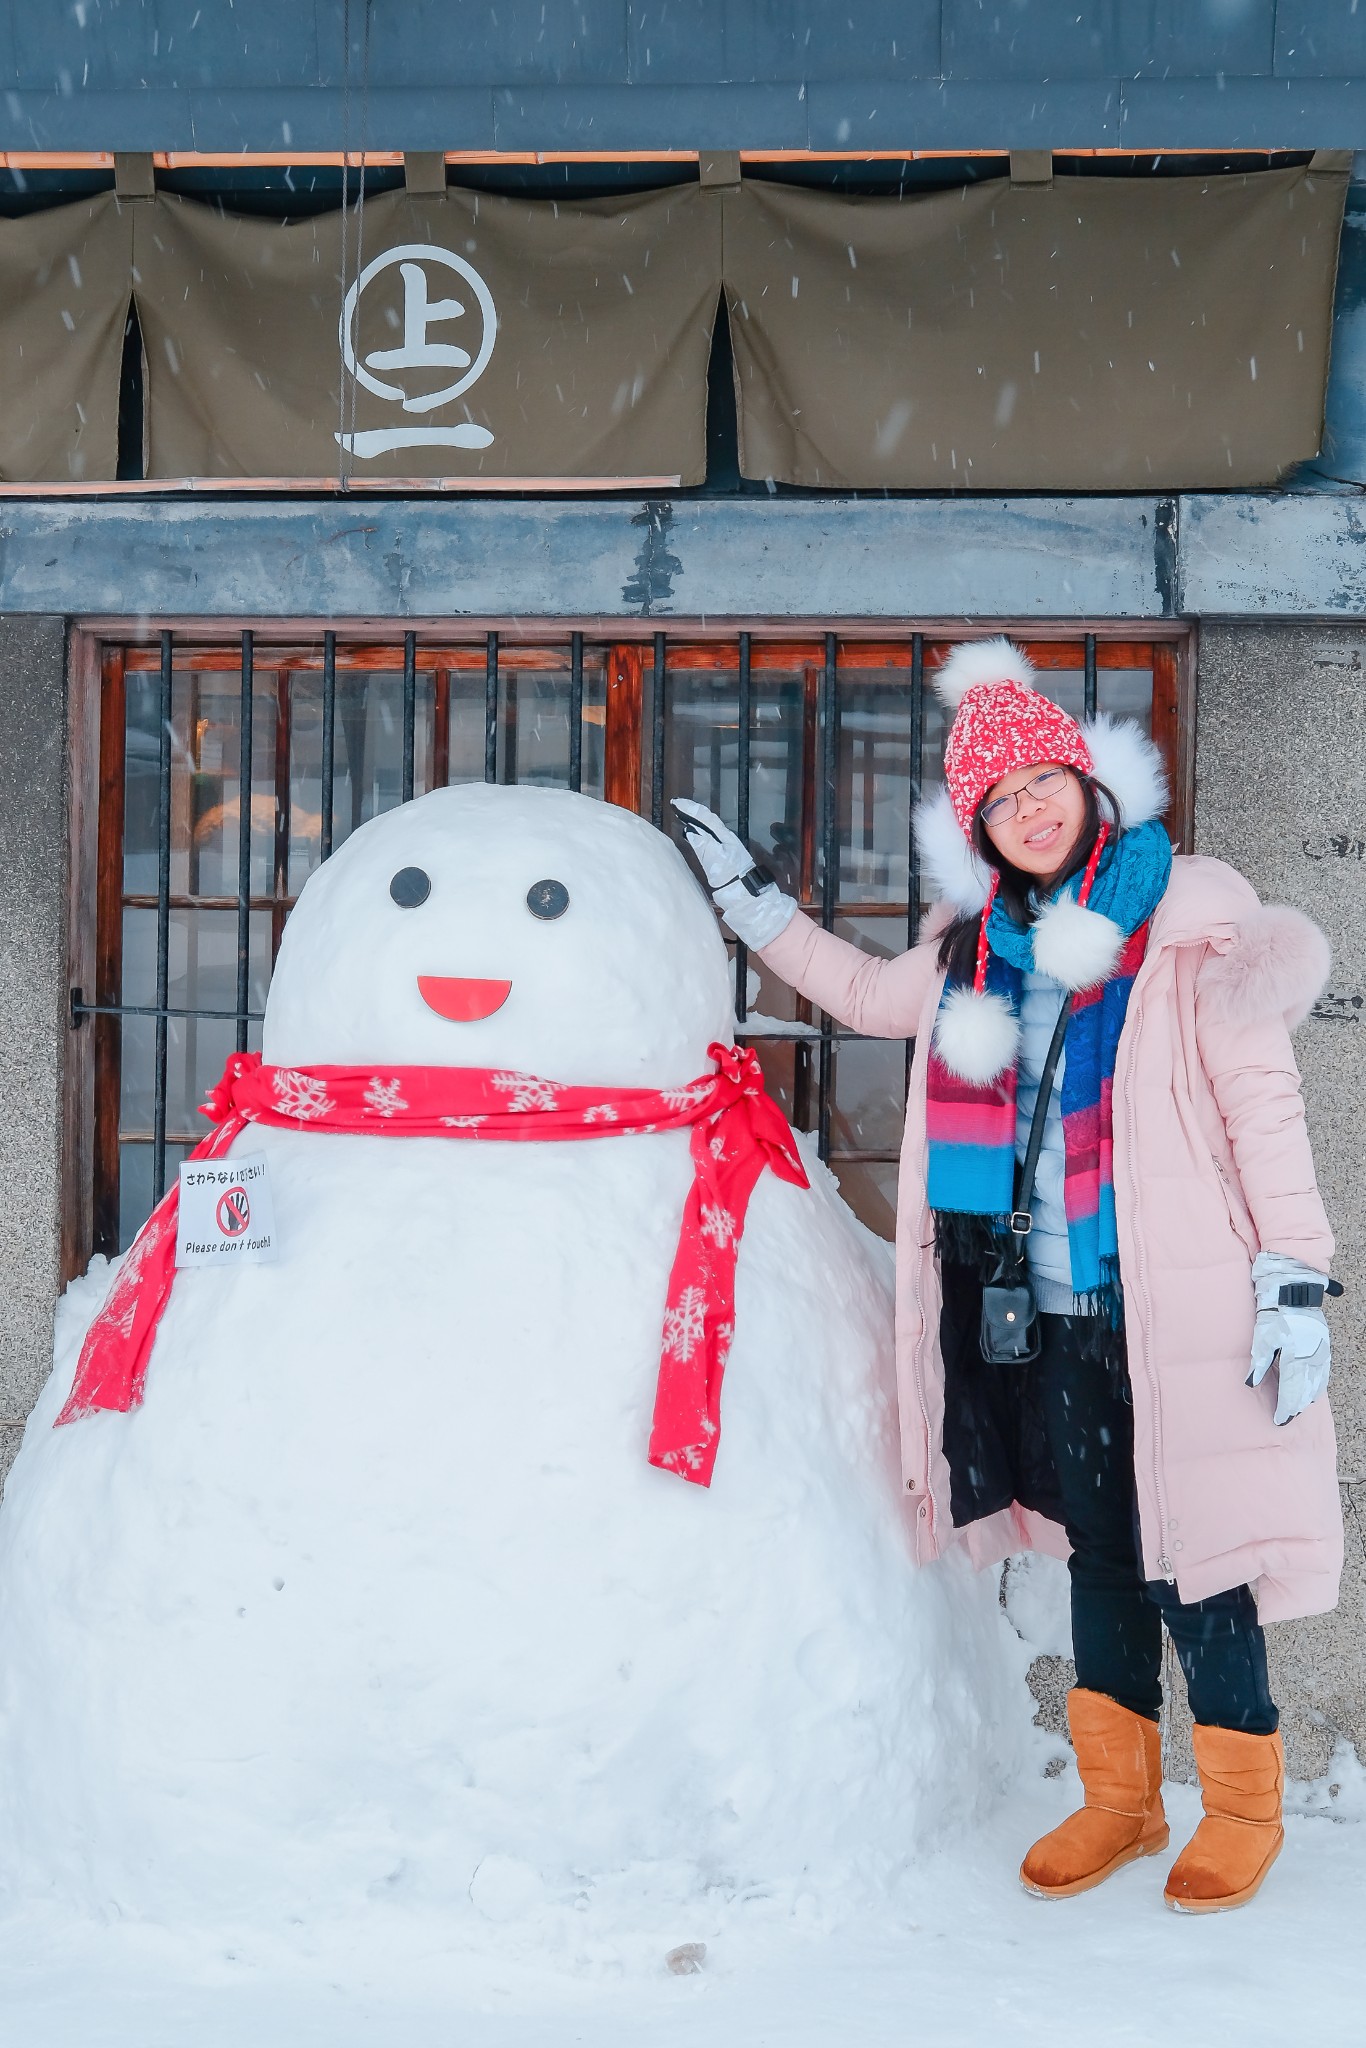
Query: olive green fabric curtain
[[482, 338], [65, 279], [1095, 334]]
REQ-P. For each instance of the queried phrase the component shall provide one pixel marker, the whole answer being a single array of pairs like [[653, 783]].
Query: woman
[[1178, 1246]]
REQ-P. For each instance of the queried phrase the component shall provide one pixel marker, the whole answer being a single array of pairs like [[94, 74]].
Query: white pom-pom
[[977, 1037], [1076, 946], [1129, 765], [952, 869], [997, 660]]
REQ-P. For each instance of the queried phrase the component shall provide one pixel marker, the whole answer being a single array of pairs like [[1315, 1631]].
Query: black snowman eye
[[410, 887], [547, 899]]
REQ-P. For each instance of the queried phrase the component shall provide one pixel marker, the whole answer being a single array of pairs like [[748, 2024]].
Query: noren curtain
[[1098, 333]]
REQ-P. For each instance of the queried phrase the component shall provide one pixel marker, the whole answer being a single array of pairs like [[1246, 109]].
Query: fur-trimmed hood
[[1126, 762], [1265, 959]]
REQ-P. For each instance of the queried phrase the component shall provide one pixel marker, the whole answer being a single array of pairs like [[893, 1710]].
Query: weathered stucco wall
[[1281, 793], [33, 997]]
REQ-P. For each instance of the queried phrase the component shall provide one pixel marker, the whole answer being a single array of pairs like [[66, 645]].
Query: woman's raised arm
[[880, 998]]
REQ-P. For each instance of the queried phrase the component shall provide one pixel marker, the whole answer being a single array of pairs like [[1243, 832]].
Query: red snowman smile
[[461, 999]]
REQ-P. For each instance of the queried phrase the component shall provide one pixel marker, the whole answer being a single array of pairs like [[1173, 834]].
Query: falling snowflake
[[301, 1096], [686, 1098], [685, 1324], [718, 1224], [383, 1097], [600, 1113], [527, 1091], [463, 1123]]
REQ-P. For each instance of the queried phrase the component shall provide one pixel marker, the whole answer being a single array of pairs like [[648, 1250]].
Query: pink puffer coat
[[1212, 1165]]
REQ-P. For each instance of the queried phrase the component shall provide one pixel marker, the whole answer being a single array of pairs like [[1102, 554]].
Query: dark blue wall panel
[[1196, 38], [495, 42], [964, 114], [1321, 38], [1030, 39], [681, 74], [834, 39], [650, 117]]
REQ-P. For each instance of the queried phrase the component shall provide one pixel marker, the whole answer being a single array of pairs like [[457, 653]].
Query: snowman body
[[376, 1594]]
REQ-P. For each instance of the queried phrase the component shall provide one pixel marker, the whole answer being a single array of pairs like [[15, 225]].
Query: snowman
[[368, 1588]]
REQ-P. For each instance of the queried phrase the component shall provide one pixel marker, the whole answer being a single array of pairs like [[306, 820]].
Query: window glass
[[875, 790]]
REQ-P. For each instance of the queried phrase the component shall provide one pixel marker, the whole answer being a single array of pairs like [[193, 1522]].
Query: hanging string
[[360, 214], [345, 220]]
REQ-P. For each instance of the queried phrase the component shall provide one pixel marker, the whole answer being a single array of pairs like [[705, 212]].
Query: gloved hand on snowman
[[746, 894]]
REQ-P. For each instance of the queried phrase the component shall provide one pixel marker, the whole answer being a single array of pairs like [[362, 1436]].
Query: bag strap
[[1022, 1220]]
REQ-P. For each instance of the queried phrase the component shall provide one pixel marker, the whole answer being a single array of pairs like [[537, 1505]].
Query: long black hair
[[1022, 893]]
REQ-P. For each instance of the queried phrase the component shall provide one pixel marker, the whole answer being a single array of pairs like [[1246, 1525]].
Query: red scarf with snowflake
[[737, 1130]]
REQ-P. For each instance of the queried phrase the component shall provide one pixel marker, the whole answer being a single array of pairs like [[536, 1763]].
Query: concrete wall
[[1281, 793], [33, 998]]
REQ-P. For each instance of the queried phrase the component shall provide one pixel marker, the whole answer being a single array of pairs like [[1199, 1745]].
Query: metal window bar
[[163, 924], [491, 709], [830, 743], [244, 839], [409, 711], [657, 733], [329, 748], [284, 802], [742, 808], [913, 798], [576, 711], [1088, 698]]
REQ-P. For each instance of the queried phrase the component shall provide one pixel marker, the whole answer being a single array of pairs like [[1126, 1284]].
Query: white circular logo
[[419, 351]]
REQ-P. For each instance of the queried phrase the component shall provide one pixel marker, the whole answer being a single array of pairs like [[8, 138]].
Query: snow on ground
[[974, 1964]]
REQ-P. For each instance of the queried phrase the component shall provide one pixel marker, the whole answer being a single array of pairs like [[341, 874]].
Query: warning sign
[[225, 1211]]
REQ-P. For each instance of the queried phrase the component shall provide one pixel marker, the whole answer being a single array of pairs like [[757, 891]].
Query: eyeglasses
[[1046, 784]]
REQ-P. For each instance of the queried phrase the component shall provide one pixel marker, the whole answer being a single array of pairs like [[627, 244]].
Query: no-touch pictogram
[[234, 1212]]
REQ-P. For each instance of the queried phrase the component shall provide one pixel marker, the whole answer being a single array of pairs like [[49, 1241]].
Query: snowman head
[[492, 927]]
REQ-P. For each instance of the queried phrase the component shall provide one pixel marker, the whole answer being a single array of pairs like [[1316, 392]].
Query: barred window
[[815, 746]]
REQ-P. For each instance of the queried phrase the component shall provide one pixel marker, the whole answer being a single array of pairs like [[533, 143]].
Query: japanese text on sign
[[225, 1211]]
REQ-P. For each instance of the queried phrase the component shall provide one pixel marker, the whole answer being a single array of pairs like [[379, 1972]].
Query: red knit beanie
[[1001, 724]]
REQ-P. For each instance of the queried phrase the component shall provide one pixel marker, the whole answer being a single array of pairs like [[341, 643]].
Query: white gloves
[[1292, 1334], [747, 896]]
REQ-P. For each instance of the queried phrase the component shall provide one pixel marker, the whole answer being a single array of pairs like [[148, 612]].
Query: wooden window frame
[[102, 653]]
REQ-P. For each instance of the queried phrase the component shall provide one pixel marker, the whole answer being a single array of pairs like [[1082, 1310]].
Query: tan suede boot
[[1242, 1778], [1119, 1756]]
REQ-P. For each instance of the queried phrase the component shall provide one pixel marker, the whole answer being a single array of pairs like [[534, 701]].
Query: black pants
[[1117, 1617]]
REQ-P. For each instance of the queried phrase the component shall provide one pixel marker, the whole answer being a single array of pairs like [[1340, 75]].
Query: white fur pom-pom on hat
[[997, 660], [1076, 946], [976, 1036]]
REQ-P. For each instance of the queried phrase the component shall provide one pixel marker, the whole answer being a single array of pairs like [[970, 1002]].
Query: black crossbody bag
[[1010, 1315]]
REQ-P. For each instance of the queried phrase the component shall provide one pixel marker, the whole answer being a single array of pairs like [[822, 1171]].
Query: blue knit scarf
[[972, 1127]]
